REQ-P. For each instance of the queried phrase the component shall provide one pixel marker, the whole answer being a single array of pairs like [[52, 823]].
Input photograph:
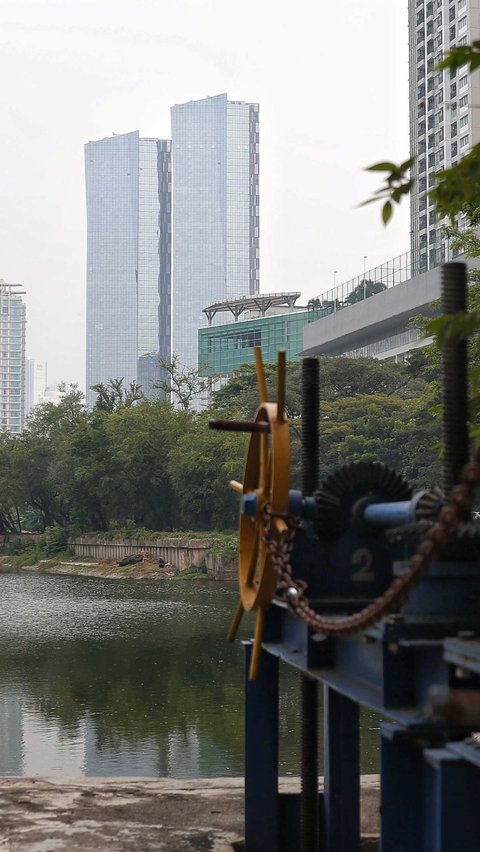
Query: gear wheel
[[350, 483], [464, 545], [429, 504]]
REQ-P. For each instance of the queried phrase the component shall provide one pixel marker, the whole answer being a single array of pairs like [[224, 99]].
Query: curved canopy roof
[[248, 303]]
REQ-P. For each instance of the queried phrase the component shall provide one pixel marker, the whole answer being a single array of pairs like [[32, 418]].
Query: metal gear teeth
[[373, 477], [430, 504], [464, 545]]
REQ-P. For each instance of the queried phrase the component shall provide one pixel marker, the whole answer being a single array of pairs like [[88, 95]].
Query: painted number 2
[[364, 558]]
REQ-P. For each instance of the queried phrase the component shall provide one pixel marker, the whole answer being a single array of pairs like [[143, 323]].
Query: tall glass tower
[[215, 245], [128, 184]]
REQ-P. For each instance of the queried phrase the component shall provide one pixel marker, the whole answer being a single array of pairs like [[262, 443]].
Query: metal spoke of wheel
[[236, 620], [261, 381]]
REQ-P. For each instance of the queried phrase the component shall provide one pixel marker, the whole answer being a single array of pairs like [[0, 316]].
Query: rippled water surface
[[105, 677]]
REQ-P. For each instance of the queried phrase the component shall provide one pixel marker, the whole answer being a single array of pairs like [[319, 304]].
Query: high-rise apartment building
[[128, 184], [215, 203], [35, 383], [444, 112], [12, 358]]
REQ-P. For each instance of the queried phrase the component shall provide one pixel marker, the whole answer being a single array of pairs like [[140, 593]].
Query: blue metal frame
[[430, 770]]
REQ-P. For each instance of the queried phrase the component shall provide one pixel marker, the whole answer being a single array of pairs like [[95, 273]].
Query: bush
[[55, 540], [225, 545]]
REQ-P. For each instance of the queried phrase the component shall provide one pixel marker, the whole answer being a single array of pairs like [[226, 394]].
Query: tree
[[240, 395], [364, 290], [201, 463], [183, 383], [466, 242], [339, 377], [113, 395]]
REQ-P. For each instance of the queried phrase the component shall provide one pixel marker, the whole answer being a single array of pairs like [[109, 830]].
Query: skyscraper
[[444, 114], [128, 184], [215, 202], [35, 383], [12, 358]]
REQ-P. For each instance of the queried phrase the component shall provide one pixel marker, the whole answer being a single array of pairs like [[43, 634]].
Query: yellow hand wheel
[[266, 482]]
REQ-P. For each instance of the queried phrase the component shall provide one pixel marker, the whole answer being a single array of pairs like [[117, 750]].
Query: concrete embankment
[[187, 556], [111, 571], [96, 814]]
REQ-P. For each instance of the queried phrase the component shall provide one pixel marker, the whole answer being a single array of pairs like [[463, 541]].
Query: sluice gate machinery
[[373, 592]]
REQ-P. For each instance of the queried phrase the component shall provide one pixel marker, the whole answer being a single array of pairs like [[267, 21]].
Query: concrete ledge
[[98, 814]]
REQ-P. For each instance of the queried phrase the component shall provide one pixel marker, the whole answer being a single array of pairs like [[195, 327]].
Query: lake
[[123, 677]]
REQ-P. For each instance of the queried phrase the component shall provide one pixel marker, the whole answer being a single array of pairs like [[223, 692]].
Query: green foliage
[[457, 188], [183, 383], [364, 290], [225, 545], [131, 469], [55, 540], [400, 433], [114, 395], [30, 555], [397, 184], [461, 55], [339, 377]]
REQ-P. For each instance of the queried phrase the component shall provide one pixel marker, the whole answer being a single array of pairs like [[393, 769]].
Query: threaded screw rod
[[310, 417], [455, 379], [309, 688]]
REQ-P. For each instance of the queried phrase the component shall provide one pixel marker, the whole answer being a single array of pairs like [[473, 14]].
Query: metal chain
[[293, 592]]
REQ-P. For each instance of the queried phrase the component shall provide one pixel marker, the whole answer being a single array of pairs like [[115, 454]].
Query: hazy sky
[[331, 78]]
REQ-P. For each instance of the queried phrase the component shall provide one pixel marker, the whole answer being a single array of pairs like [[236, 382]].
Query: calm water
[[129, 678]]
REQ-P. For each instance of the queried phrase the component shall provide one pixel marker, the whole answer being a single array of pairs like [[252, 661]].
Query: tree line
[[143, 462]]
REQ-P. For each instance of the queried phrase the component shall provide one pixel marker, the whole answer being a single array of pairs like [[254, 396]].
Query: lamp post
[[364, 274]]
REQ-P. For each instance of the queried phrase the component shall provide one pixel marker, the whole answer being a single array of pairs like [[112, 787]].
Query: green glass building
[[222, 349]]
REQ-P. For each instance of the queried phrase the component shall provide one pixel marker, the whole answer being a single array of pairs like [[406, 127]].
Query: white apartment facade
[[12, 358], [444, 113]]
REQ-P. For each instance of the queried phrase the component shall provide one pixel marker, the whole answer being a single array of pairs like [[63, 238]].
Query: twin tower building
[[172, 226]]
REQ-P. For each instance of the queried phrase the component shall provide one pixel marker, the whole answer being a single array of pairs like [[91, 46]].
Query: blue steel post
[[342, 773], [402, 792], [452, 820], [261, 755]]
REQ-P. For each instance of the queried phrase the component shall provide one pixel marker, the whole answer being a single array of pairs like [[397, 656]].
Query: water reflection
[[127, 678]]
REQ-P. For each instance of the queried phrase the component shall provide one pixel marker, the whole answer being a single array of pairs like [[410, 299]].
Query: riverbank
[[88, 814], [107, 570]]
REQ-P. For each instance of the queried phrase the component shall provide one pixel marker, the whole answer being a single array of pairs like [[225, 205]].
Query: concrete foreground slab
[[141, 814]]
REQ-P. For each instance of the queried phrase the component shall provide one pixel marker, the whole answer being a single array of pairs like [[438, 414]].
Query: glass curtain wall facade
[[12, 359], [35, 383], [222, 349], [128, 186], [444, 115], [215, 230]]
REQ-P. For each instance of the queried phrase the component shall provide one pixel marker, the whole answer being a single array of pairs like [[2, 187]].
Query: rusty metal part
[[450, 519], [456, 706]]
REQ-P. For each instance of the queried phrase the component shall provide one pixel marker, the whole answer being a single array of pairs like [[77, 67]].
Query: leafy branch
[[465, 54], [457, 188], [397, 184]]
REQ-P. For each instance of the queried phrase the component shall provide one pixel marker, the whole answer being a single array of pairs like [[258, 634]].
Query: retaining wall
[[183, 553]]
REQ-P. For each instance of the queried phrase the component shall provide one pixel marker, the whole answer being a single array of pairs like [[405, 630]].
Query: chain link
[[293, 592]]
